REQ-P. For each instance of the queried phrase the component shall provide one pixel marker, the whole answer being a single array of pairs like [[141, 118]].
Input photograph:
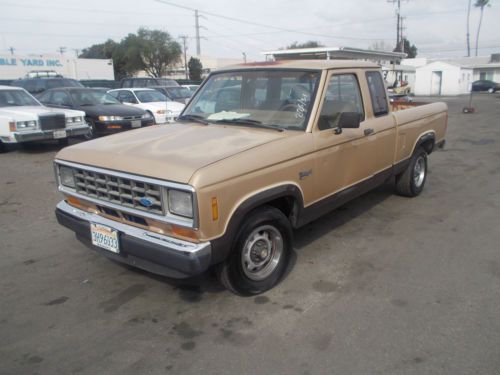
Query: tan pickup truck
[[261, 149]]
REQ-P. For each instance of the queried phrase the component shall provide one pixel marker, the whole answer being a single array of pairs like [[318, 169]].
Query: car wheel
[[151, 115], [411, 181], [92, 134], [491, 90], [63, 142], [260, 255]]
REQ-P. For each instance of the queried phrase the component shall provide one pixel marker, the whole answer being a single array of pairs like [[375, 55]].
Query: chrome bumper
[[39, 135], [151, 251]]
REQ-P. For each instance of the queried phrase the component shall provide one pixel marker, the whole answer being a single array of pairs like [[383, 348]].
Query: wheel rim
[[90, 134], [262, 252], [419, 171]]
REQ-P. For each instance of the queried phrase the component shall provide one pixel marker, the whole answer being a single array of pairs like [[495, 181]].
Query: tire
[[63, 142], [93, 130], [491, 90], [260, 255], [411, 181], [151, 114]]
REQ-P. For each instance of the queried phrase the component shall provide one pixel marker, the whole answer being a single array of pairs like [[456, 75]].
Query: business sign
[[30, 62]]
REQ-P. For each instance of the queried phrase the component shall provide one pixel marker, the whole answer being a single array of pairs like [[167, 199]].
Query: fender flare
[[427, 136], [221, 246]]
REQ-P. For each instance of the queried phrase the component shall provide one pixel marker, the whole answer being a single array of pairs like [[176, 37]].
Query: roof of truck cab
[[303, 64]]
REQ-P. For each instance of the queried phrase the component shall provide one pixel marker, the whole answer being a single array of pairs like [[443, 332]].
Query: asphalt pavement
[[383, 285]]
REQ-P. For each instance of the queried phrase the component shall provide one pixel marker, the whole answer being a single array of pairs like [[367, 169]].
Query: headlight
[[110, 118], [26, 125], [146, 115], [74, 120], [180, 203], [160, 111], [67, 177]]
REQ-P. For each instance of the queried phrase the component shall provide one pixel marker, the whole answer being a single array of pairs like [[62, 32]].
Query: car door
[[348, 157]]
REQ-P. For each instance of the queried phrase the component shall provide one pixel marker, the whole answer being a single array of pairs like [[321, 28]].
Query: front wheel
[[92, 133], [411, 181], [491, 90], [260, 255]]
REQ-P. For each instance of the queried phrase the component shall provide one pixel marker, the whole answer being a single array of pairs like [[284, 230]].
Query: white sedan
[[152, 101], [25, 119]]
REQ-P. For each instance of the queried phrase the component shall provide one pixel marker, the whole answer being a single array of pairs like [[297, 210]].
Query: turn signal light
[[215, 209], [184, 232], [12, 126], [114, 126]]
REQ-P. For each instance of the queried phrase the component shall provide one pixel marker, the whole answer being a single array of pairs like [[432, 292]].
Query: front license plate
[[59, 134], [136, 123], [105, 237]]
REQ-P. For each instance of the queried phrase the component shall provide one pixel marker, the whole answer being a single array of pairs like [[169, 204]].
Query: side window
[[377, 93], [126, 97], [45, 97], [342, 95], [61, 98]]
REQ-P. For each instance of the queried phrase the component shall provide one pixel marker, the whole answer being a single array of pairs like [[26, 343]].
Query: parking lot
[[383, 285]]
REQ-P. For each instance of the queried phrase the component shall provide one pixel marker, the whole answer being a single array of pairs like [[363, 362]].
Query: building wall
[[17, 66], [454, 79], [492, 74]]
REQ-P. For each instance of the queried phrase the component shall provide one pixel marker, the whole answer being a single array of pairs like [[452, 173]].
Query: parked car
[[25, 119], [150, 100], [174, 93], [37, 85], [147, 82], [226, 186], [485, 85], [192, 88], [103, 112]]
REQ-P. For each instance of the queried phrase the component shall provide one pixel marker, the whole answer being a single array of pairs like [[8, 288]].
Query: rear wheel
[[260, 255], [411, 181], [491, 90]]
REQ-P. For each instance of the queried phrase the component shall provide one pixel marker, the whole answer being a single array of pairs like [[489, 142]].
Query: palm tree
[[480, 4], [468, 35]]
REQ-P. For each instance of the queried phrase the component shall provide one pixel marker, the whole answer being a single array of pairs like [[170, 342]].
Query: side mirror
[[348, 120]]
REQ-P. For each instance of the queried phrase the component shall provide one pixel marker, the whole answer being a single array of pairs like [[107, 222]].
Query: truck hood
[[169, 152]]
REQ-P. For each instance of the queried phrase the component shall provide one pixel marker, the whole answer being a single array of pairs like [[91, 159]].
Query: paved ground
[[385, 285]]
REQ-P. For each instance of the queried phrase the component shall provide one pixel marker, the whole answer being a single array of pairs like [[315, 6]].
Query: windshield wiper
[[195, 118], [243, 121]]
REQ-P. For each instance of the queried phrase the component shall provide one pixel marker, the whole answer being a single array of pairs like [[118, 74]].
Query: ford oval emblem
[[146, 202]]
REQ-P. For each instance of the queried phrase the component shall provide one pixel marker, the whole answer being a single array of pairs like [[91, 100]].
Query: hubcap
[[419, 171], [261, 252]]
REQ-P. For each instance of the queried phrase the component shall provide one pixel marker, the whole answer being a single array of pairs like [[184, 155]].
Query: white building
[[18, 66], [442, 78]]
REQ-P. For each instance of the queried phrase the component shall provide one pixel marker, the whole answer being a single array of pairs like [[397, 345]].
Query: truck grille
[[125, 192], [51, 122], [132, 117]]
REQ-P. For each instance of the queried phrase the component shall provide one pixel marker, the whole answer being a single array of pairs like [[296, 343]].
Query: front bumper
[[40, 135], [106, 127], [150, 251]]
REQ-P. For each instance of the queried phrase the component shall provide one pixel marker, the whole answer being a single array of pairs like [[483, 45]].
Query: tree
[[99, 51], [195, 69], [308, 44], [480, 4], [380, 46], [408, 48], [157, 51]]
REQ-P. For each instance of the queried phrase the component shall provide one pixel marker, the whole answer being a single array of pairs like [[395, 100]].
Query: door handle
[[369, 131]]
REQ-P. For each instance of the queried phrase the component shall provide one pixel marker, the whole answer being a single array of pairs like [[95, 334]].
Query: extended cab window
[[342, 95], [377, 93]]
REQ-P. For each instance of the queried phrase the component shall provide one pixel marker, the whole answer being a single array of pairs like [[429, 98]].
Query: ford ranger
[[261, 149]]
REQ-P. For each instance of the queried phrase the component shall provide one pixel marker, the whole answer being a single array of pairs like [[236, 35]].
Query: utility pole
[[184, 38], [244, 57], [468, 35], [62, 50], [77, 52], [401, 38], [197, 26], [12, 49], [399, 25]]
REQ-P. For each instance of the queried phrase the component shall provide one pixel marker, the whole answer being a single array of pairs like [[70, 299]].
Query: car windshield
[[92, 97], [280, 98], [178, 92], [11, 98], [148, 96], [55, 83], [166, 82]]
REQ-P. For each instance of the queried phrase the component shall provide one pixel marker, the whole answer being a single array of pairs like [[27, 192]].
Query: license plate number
[[105, 237], [59, 134], [136, 123]]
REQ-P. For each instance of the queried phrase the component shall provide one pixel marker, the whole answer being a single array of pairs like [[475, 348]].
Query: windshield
[[178, 92], [92, 97], [281, 98], [166, 82], [10, 98], [148, 96], [55, 83]]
